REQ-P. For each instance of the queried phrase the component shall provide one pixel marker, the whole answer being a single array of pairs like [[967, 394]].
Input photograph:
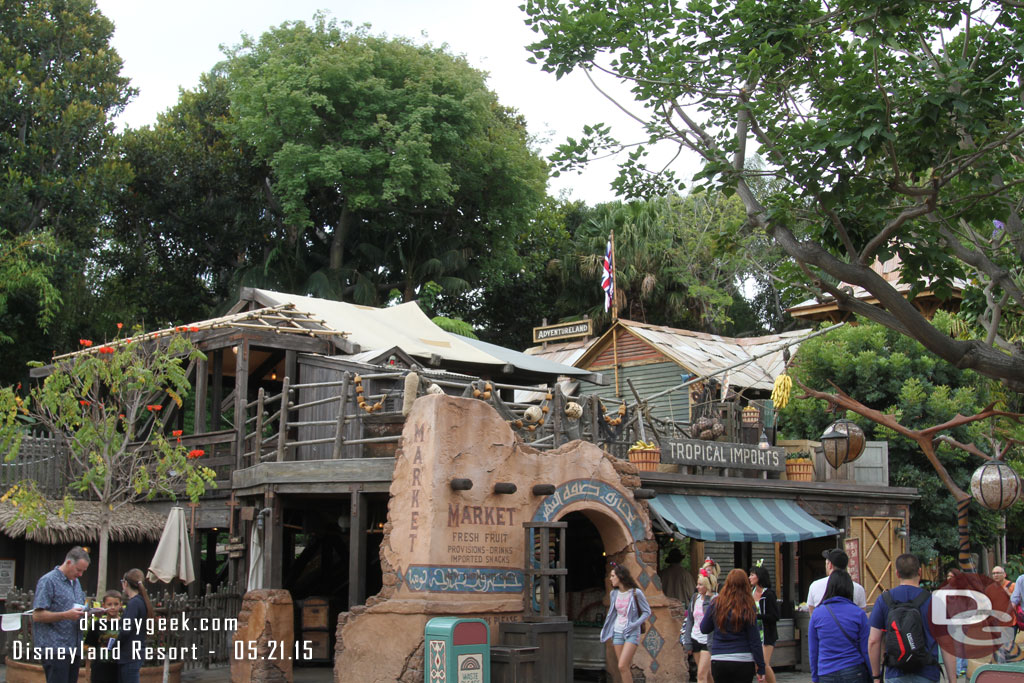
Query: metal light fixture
[[901, 530], [843, 442], [995, 485], [764, 444]]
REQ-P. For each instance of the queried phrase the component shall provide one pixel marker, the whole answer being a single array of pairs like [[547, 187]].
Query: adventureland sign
[[740, 456], [579, 328]]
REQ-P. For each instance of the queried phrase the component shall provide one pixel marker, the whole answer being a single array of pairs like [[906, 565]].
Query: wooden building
[[301, 405], [927, 301]]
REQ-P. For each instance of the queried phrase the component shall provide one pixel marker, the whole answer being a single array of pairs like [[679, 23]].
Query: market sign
[[579, 328], [740, 456]]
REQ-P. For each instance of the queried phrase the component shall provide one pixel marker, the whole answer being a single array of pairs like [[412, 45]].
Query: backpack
[[906, 642]]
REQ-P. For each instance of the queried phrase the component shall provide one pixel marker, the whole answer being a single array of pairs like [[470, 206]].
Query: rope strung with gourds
[[379, 405]]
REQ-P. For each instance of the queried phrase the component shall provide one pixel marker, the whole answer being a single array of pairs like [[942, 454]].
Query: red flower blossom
[[85, 342], [154, 407], [83, 402], [106, 349], [121, 415], [120, 325], [196, 453], [176, 432], [193, 328]]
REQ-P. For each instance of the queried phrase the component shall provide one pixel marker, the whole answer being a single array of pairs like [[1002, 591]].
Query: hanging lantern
[[995, 485], [842, 442]]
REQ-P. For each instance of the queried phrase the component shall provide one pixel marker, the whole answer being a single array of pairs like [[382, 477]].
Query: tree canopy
[[61, 85], [889, 129], [896, 375], [388, 164]]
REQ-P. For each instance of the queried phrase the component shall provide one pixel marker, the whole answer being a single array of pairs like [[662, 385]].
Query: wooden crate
[[513, 664], [320, 644], [315, 614]]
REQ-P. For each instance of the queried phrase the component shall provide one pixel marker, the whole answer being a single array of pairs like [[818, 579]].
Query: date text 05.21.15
[[272, 650]]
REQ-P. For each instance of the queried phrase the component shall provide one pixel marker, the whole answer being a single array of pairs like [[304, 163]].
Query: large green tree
[[60, 84], [388, 164], [893, 374], [193, 216], [889, 128]]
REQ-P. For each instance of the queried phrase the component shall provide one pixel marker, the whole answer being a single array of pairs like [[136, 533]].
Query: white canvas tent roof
[[408, 328]]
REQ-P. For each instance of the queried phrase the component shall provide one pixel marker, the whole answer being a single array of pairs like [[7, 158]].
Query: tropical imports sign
[[741, 456], [580, 328]]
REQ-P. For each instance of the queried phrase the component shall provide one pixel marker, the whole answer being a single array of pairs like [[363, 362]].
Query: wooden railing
[[327, 420], [42, 458]]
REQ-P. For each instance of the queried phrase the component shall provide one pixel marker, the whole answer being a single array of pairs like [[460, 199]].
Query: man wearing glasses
[[57, 609]]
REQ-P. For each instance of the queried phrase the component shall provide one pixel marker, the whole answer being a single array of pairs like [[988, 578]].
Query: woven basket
[[797, 470], [645, 459]]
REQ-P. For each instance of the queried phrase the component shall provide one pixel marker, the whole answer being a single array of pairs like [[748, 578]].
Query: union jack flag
[[608, 278]]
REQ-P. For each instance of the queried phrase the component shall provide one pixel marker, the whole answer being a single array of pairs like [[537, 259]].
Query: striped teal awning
[[724, 518]]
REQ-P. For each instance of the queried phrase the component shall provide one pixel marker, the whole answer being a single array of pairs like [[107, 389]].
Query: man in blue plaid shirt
[[58, 607]]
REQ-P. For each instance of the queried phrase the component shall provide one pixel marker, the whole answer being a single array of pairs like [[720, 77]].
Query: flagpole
[[615, 319]]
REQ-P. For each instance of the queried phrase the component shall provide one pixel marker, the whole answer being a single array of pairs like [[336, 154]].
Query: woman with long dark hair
[[628, 609], [837, 637], [133, 629], [736, 652], [767, 615]]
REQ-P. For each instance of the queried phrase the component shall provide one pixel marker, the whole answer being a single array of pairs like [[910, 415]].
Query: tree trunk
[[101, 565], [338, 239], [964, 554]]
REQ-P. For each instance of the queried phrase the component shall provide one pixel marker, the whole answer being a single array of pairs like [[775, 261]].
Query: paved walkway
[[325, 675]]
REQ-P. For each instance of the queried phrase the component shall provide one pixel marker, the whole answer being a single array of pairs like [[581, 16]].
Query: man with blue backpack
[[900, 638]]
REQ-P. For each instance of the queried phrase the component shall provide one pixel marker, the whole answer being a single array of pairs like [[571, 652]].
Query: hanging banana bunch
[[780, 391]]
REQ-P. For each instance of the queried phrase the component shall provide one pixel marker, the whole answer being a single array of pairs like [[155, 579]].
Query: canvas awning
[[407, 327], [740, 520]]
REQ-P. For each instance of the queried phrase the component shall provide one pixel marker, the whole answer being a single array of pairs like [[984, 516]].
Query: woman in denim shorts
[[628, 609]]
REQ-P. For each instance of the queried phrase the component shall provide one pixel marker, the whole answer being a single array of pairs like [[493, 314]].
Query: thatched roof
[[131, 524]]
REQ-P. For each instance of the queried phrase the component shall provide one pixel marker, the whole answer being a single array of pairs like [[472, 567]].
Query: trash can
[[457, 650]]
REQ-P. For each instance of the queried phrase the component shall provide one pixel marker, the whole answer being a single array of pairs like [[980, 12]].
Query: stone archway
[[454, 543]]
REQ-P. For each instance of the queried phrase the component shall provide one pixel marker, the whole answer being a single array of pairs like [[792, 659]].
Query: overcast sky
[[167, 45]]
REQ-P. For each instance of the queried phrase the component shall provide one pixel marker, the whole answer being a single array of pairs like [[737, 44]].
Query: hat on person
[[837, 557]]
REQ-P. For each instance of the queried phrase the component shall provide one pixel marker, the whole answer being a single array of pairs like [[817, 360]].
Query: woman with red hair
[[736, 650]]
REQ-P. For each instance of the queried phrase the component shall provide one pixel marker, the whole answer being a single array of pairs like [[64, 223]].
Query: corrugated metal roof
[[566, 353], [705, 354]]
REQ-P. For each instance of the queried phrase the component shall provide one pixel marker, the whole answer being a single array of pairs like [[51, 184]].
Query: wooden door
[[879, 548]]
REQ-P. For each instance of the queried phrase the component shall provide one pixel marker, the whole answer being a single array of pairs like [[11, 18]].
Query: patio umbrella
[[173, 558], [255, 581]]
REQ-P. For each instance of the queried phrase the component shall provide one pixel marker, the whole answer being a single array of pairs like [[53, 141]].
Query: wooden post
[[217, 393], [258, 447], [595, 407], [273, 542], [291, 367], [282, 434], [557, 414], [202, 381], [563, 597], [339, 434], [615, 358], [357, 550], [241, 398]]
